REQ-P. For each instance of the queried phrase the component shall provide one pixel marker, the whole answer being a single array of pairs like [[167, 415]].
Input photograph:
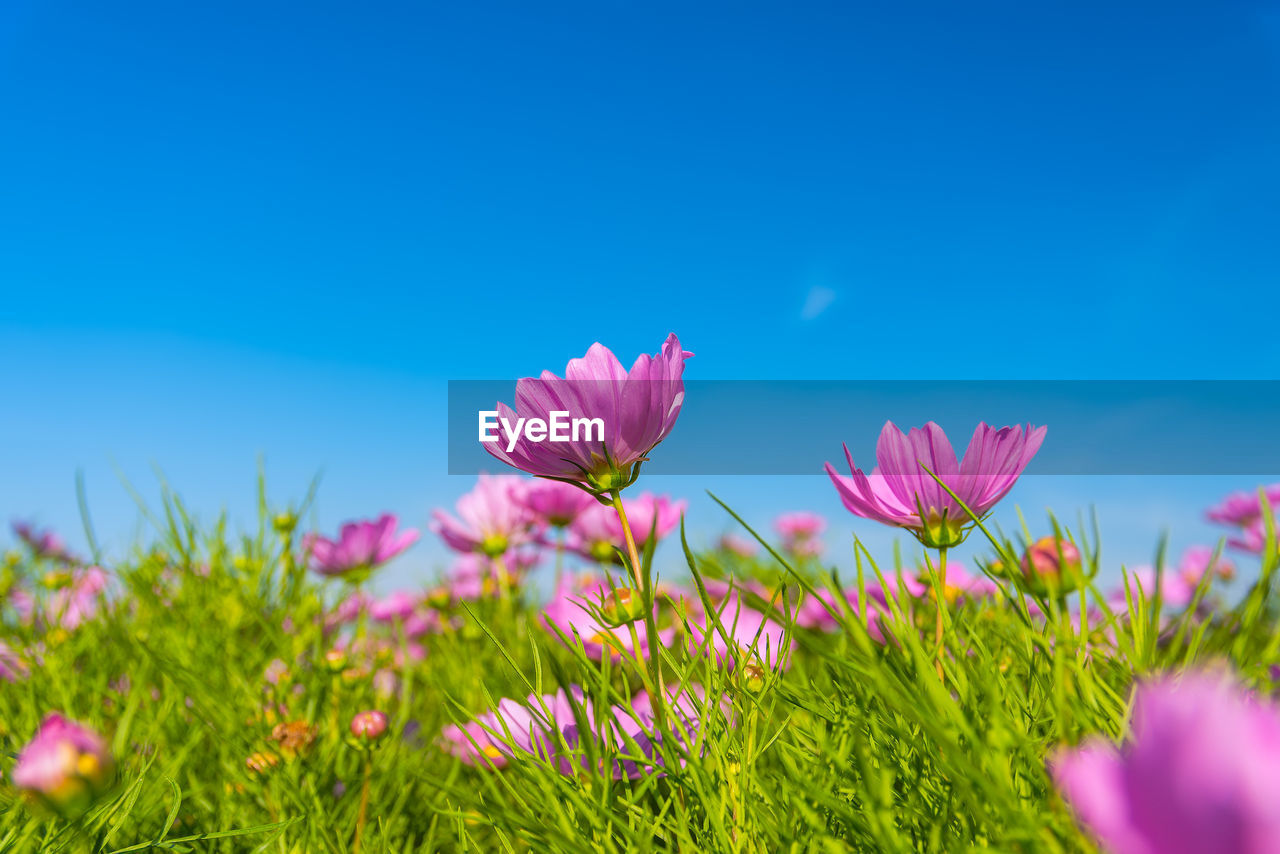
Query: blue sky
[[280, 228]]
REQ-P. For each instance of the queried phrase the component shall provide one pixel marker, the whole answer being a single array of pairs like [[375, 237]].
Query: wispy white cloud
[[818, 300]]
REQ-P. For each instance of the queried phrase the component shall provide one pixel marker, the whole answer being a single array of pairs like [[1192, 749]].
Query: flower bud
[[1053, 562], [752, 677], [284, 523], [295, 738], [261, 763], [368, 727], [336, 660], [65, 766], [621, 606]]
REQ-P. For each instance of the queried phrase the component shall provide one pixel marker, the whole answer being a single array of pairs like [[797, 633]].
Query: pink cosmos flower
[[77, 602], [347, 611], [637, 409], [514, 728], [12, 667], [570, 611], [900, 492], [554, 502], [1198, 560], [395, 607], [1177, 588], [43, 544], [800, 524], [360, 548], [819, 612], [961, 585], [800, 532], [1199, 774], [737, 545], [1252, 539], [597, 533], [65, 764], [747, 634], [1241, 509], [369, 726], [628, 730], [1052, 558], [490, 520]]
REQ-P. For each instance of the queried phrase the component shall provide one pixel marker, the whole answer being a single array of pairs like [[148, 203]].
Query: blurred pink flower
[[490, 520], [597, 533], [275, 671], [902, 493], [747, 634], [12, 667], [65, 764], [513, 728], [737, 545], [77, 602], [348, 610], [571, 612], [369, 726], [800, 524], [1244, 508], [1052, 558], [1197, 560], [1177, 588], [629, 730], [637, 408], [800, 532], [1199, 774], [395, 607], [43, 544], [475, 576], [554, 502], [361, 547], [1253, 538]]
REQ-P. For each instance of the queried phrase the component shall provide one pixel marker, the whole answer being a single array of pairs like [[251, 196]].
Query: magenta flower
[[1052, 558], [360, 548], [1252, 539], [737, 545], [1199, 773], [627, 414], [747, 635], [597, 534], [800, 525], [513, 729], [554, 502], [1241, 509], [820, 611], [1198, 560], [77, 602], [65, 765], [629, 732], [490, 520], [1177, 588], [347, 611], [962, 585], [900, 492], [572, 612], [12, 667], [43, 544], [369, 726], [395, 607]]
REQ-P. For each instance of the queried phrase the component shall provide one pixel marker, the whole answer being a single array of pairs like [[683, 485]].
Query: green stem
[[364, 801], [941, 603], [642, 584]]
